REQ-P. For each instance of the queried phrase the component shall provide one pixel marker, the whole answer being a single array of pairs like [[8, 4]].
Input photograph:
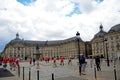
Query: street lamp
[[107, 52], [78, 40]]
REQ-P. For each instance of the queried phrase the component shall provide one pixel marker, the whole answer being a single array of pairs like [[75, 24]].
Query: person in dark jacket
[[34, 61], [97, 62], [83, 64]]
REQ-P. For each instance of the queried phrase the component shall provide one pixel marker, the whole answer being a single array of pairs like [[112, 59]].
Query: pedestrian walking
[[83, 64], [11, 60], [69, 61], [97, 62], [41, 58], [54, 62], [14, 66], [34, 61], [46, 59], [17, 62], [30, 61], [5, 60], [61, 60], [1, 59]]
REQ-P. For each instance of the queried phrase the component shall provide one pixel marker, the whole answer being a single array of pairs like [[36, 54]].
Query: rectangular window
[[111, 38], [112, 45], [117, 37]]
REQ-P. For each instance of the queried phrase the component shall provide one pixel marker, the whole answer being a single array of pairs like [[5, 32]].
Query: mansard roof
[[115, 28], [41, 43]]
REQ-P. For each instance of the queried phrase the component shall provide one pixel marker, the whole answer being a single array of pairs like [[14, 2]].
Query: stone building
[[55, 48], [113, 41], [102, 44], [107, 42], [98, 42]]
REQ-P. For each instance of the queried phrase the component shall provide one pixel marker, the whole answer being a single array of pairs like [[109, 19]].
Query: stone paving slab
[[66, 72]]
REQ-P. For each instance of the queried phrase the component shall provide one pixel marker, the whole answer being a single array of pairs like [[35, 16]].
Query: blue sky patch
[[26, 2], [2, 44], [99, 1], [76, 10]]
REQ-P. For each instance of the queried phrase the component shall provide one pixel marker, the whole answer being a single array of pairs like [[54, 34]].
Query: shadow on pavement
[[5, 73]]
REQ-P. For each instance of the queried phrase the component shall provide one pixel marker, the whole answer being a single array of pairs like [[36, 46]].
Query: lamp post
[[108, 64], [78, 40], [115, 76]]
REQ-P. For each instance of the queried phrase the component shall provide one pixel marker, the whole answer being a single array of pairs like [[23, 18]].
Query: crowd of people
[[12, 62], [47, 59]]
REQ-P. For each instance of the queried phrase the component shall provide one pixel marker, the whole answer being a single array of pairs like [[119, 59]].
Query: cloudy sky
[[55, 19]]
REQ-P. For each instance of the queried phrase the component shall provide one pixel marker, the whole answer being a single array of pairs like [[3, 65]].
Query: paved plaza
[[66, 72]]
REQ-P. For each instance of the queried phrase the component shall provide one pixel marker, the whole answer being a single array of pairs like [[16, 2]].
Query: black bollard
[[38, 75], [23, 73], [18, 71], [80, 69], [115, 73], [52, 76], [29, 74], [95, 72]]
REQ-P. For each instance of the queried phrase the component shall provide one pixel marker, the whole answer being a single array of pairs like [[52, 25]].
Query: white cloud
[[47, 20]]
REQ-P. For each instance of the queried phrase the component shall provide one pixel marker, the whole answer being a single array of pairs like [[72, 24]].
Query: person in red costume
[[41, 58], [61, 60], [30, 61], [54, 62], [5, 60], [17, 62], [46, 59], [11, 61]]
